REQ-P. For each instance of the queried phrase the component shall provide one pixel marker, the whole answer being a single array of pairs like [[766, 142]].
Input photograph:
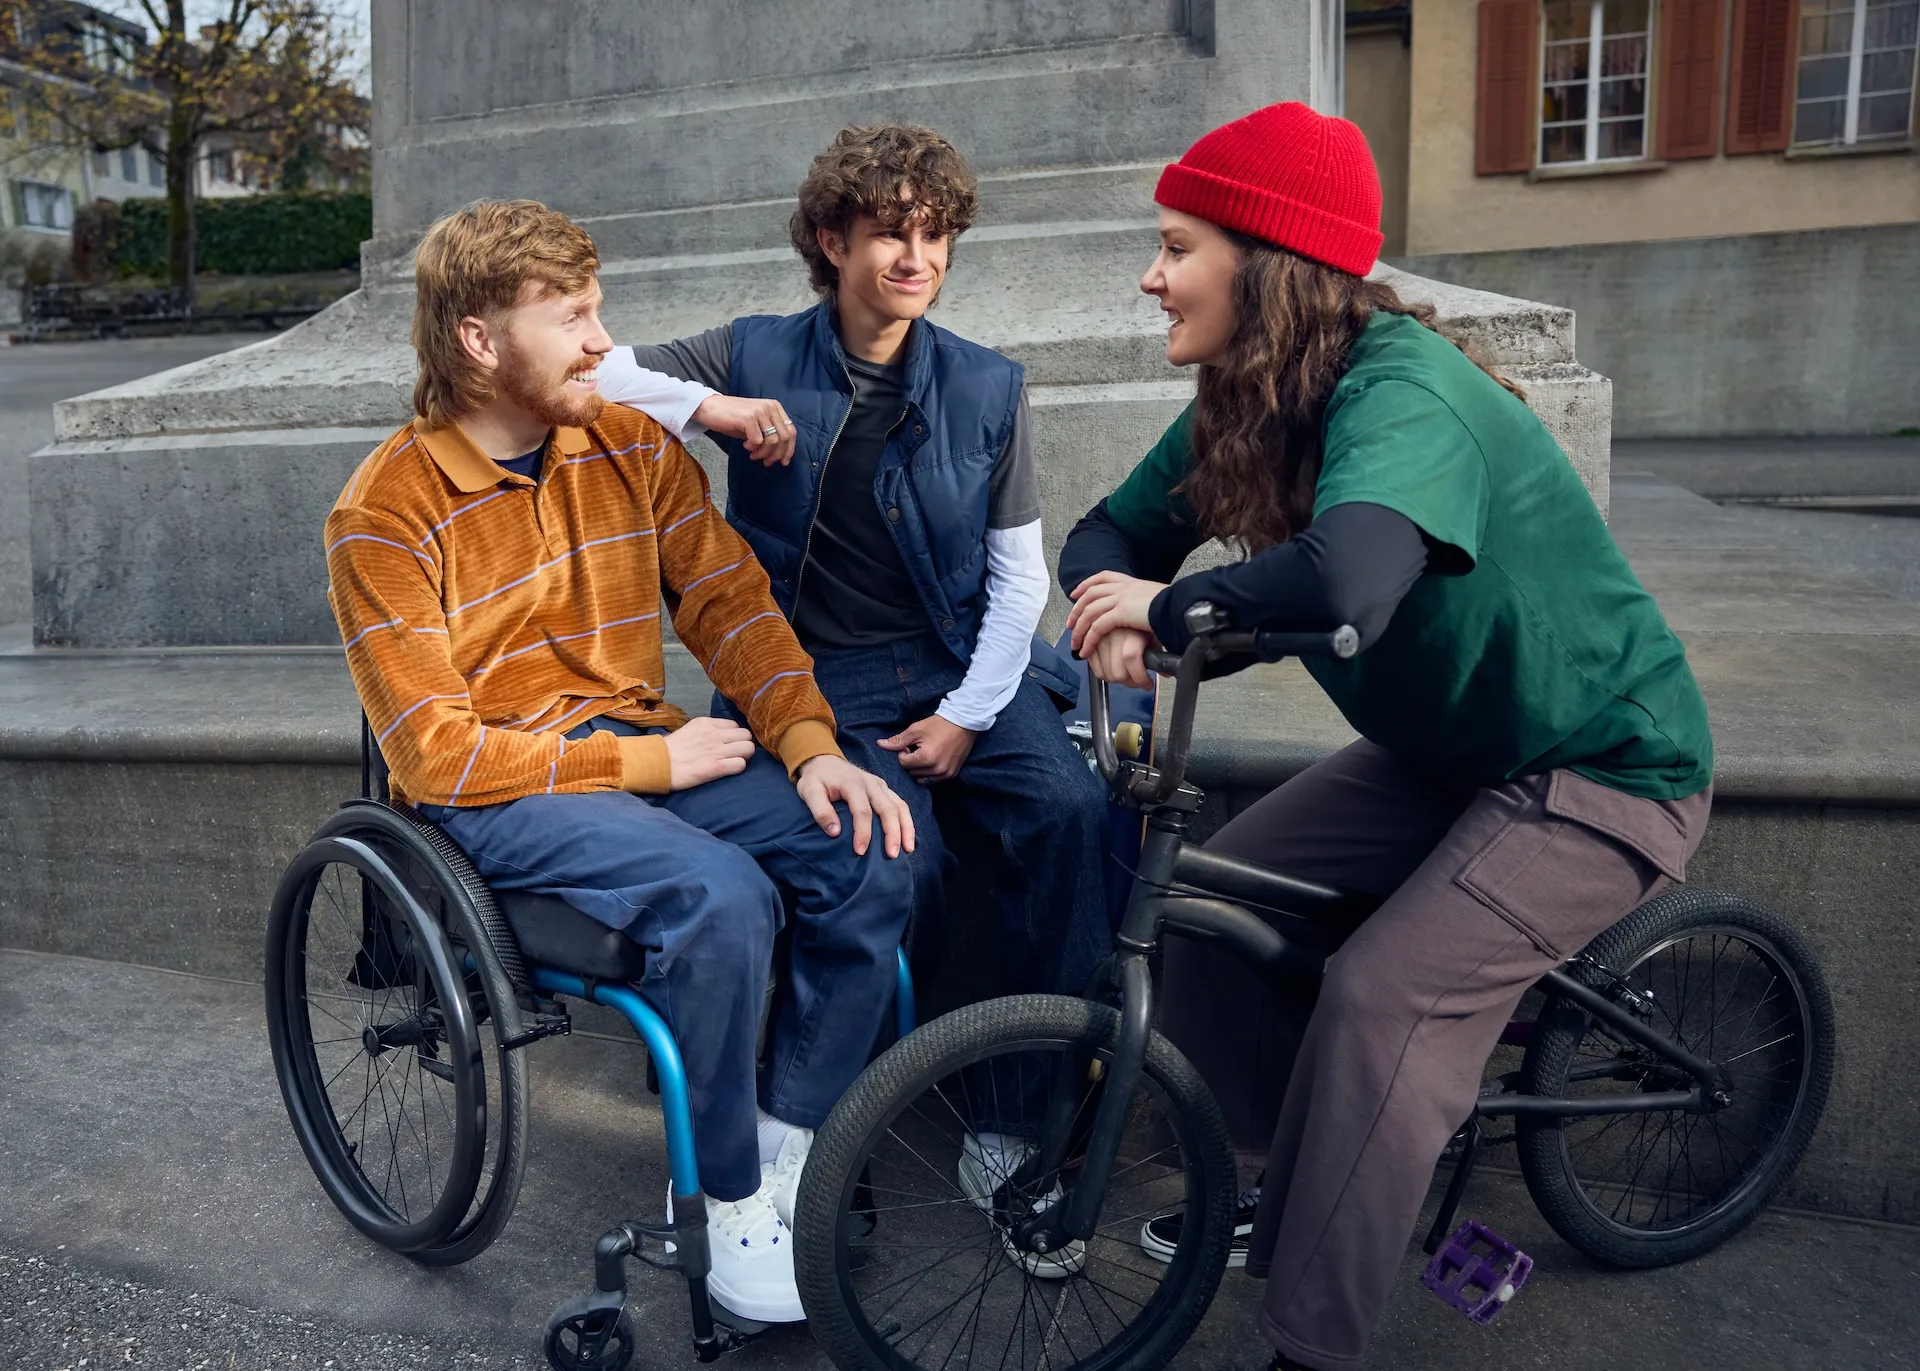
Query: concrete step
[[351, 365], [155, 1211]]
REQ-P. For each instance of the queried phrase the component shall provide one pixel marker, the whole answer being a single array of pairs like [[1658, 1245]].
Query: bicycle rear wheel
[[1732, 982], [902, 1261]]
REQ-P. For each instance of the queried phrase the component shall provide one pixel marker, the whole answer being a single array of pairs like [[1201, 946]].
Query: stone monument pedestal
[[185, 509]]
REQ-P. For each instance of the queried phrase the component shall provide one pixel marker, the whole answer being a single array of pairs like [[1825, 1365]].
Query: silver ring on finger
[[769, 432]]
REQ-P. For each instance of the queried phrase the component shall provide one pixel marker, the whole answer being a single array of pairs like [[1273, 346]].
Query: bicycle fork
[[1078, 1215]]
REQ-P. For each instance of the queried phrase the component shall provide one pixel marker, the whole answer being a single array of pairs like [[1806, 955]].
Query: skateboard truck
[[1477, 1271]]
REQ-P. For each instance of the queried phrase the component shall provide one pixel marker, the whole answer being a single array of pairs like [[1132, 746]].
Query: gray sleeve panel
[[703, 357], [1013, 491]]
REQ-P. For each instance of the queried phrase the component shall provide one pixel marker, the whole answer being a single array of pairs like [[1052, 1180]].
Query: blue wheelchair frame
[[665, 1052], [690, 1255]]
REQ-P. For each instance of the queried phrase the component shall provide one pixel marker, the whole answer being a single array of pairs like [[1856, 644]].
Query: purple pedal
[[1477, 1271]]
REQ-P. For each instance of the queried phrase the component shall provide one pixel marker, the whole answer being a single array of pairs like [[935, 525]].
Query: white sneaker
[[780, 1178], [985, 1165], [752, 1253]]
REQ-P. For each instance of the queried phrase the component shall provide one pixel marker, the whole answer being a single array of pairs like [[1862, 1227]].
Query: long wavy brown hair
[[1256, 433]]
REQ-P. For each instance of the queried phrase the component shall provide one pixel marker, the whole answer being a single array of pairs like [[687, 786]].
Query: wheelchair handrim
[[304, 1089]]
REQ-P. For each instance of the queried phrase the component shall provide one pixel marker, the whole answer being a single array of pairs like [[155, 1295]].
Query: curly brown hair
[[1256, 432], [890, 171]]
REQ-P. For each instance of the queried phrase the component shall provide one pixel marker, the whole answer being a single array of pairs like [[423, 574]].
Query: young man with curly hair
[[498, 568], [882, 470]]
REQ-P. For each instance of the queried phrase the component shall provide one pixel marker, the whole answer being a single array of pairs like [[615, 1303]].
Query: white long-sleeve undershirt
[[1016, 598], [667, 400]]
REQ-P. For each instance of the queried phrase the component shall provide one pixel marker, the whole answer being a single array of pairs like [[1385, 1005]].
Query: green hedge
[[250, 235]]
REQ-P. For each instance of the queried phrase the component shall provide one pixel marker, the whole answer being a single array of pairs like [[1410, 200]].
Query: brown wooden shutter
[[1760, 92], [1687, 99], [1506, 115]]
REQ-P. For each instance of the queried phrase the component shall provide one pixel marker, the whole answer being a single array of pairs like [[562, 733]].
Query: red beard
[[545, 397]]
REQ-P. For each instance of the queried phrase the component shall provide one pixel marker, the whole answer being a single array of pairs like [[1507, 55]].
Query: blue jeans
[[702, 879], [1024, 784]]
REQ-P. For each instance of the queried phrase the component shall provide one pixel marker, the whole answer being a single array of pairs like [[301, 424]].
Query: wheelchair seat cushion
[[555, 935]]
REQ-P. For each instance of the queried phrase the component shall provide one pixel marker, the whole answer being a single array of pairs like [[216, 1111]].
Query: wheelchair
[[400, 992], [1668, 1079]]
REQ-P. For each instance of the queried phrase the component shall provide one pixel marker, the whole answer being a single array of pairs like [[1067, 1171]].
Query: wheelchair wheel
[[903, 1264], [1731, 981], [384, 1012]]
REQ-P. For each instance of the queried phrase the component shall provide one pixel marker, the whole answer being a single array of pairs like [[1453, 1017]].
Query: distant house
[[46, 173], [1505, 124]]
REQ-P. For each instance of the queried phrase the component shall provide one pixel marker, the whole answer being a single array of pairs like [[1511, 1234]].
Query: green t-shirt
[[1529, 645]]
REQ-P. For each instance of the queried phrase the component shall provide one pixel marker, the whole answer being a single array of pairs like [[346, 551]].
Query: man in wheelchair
[[498, 568]]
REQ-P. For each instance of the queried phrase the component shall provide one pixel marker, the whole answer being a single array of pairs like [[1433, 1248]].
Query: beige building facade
[[1419, 83]]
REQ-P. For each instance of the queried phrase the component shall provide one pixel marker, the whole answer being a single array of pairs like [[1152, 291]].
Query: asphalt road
[[33, 377]]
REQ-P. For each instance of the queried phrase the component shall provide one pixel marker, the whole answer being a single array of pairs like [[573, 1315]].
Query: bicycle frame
[[1182, 889]]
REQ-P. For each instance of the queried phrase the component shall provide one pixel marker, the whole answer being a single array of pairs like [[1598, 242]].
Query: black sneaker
[[1160, 1237]]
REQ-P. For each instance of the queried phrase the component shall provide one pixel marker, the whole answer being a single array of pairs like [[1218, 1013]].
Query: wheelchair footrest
[[1477, 1271]]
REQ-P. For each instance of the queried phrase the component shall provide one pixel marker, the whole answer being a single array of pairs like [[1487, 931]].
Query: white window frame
[[1596, 50], [1856, 67], [65, 199]]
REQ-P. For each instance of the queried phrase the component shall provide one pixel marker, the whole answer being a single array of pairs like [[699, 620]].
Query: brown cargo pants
[[1354, 1096]]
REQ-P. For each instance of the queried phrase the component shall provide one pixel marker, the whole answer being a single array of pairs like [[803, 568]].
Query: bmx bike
[[1670, 1076]]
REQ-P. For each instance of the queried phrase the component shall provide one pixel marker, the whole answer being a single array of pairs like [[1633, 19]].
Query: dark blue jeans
[[702, 879], [1025, 785]]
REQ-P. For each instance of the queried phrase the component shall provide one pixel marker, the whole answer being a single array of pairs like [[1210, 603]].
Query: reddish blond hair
[[476, 262]]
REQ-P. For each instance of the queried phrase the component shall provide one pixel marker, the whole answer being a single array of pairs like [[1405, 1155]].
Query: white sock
[[773, 1133], [1002, 1152]]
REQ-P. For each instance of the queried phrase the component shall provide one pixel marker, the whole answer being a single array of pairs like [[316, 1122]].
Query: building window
[[156, 170], [129, 164], [1856, 71], [1594, 81], [101, 166], [45, 207]]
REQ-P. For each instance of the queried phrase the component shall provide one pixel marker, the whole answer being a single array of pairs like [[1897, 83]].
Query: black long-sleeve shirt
[[1352, 565]]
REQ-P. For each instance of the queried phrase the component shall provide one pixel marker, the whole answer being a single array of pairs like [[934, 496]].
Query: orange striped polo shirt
[[485, 615]]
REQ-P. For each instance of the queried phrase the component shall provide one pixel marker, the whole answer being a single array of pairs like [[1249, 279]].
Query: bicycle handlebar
[[1210, 642]]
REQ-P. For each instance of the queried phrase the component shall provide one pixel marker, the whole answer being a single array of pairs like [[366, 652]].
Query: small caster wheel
[[588, 1335]]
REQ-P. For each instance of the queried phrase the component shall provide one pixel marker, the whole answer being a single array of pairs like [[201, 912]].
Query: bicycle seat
[[553, 934]]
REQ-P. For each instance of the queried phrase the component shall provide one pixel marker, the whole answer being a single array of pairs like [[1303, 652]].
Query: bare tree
[[270, 74]]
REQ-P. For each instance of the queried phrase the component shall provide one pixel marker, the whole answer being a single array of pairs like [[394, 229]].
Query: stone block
[[215, 539]]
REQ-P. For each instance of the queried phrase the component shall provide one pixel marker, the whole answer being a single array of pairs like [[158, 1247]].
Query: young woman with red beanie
[[1534, 759]]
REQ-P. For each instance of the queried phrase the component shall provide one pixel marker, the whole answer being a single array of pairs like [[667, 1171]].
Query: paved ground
[[1870, 476], [155, 1212], [35, 375]]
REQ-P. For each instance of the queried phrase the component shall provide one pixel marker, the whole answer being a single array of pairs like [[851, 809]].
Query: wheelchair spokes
[[389, 1083], [376, 1045]]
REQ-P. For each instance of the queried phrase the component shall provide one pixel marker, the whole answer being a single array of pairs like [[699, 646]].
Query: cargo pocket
[[1563, 876]]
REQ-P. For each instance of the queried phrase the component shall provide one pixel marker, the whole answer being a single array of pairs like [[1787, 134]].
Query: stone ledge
[[351, 366], [1798, 718]]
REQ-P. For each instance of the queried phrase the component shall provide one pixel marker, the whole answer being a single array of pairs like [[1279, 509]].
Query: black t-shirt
[[854, 588]]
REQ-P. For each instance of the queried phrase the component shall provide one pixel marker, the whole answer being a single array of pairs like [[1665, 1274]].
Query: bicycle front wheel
[[902, 1226]]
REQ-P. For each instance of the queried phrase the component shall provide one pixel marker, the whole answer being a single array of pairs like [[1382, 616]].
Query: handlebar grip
[[1271, 646], [1160, 661]]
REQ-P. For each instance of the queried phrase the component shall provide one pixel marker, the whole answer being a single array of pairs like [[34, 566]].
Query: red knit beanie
[[1287, 176]]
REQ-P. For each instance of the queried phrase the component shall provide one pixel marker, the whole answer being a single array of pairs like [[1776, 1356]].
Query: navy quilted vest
[[931, 485]]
